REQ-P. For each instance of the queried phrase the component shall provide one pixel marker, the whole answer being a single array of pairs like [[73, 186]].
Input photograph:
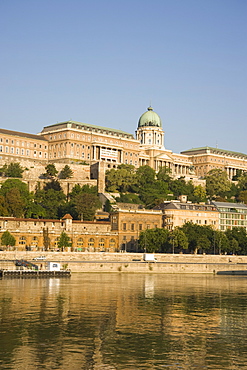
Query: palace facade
[[102, 148]]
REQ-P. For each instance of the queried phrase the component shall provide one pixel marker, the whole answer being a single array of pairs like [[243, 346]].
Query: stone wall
[[131, 262], [33, 175]]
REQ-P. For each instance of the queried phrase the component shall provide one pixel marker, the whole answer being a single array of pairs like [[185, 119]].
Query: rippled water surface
[[118, 321]]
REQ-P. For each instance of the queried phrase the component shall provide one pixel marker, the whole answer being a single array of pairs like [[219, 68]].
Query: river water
[[124, 321]]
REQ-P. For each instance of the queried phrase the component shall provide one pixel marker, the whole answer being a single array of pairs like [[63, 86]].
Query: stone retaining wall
[[131, 262]]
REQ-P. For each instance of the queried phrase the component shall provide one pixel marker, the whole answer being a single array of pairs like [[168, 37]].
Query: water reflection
[[118, 321]]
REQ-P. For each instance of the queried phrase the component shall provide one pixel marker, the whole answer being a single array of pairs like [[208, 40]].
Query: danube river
[[124, 321]]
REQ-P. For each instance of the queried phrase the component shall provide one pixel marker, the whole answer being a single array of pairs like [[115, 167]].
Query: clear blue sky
[[103, 62]]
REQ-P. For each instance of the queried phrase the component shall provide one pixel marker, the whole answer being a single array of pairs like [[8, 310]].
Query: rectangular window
[[124, 226], [140, 226], [132, 227]]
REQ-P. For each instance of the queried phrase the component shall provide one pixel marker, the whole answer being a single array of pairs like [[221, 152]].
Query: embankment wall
[[130, 262]]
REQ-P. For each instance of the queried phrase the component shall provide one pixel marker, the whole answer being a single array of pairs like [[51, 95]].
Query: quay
[[95, 262], [34, 274]]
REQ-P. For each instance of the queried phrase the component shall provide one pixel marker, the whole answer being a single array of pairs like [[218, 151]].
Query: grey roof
[[22, 134], [88, 125], [183, 205], [229, 205], [215, 150]]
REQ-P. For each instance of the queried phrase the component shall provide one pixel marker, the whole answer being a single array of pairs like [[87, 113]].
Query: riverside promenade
[[130, 262]]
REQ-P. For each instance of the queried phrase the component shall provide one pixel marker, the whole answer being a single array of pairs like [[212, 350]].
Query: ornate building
[[206, 158], [40, 234], [103, 148]]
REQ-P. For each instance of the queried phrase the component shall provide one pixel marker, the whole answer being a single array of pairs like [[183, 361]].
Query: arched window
[[80, 245], [80, 242], [91, 244], [35, 241], [22, 240], [112, 243], [102, 244]]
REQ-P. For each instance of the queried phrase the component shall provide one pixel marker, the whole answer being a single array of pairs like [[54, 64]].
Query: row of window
[[130, 162], [200, 222], [79, 243], [233, 216], [22, 143], [24, 152], [140, 226], [59, 155]]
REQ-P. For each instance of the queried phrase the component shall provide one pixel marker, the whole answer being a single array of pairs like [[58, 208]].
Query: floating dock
[[232, 272], [34, 274]]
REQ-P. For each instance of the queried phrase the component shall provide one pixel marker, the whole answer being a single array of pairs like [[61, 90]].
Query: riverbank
[[130, 262]]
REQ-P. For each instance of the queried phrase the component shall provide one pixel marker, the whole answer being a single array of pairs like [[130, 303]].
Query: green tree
[[199, 194], [181, 187], [121, 179], [7, 239], [64, 241], [164, 174], [151, 191], [154, 240], [203, 243], [50, 200], [14, 169], [15, 203], [51, 171], [217, 183], [242, 181], [240, 234], [220, 242], [86, 205], [178, 239], [66, 172], [129, 198], [243, 196], [53, 184], [238, 175], [17, 197], [3, 206], [145, 176]]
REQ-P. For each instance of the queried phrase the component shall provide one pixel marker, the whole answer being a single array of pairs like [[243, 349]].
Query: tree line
[[48, 202], [145, 186], [194, 238]]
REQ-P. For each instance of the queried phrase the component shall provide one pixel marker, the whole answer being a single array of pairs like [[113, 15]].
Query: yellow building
[[129, 220], [102, 148], [177, 213], [40, 234], [206, 159], [19, 146]]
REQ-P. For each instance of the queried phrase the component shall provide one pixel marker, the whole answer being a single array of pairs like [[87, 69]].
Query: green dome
[[149, 118]]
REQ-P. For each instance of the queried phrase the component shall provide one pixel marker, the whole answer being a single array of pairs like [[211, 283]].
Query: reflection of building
[[41, 233], [231, 215], [206, 159], [177, 213]]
